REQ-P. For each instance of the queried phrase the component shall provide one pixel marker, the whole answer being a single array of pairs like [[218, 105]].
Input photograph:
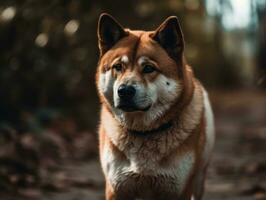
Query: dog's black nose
[[126, 91]]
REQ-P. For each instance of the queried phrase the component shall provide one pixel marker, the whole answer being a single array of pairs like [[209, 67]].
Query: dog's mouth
[[130, 107]]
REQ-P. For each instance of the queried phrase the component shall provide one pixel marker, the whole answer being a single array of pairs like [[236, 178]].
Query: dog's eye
[[118, 67], [148, 68]]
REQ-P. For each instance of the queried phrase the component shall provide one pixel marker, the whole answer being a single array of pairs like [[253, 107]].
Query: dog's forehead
[[126, 49], [126, 59], [146, 48], [137, 48]]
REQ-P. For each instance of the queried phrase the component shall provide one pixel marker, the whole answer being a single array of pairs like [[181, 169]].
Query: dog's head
[[140, 73]]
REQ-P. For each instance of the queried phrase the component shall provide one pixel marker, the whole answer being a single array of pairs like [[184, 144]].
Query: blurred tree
[[48, 50], [262, 45]]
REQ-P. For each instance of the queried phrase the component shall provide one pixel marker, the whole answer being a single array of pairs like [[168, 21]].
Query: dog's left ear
[[109, 32], [169, 35]]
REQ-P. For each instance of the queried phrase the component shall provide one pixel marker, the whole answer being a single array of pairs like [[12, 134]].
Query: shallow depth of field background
[[49, 108]]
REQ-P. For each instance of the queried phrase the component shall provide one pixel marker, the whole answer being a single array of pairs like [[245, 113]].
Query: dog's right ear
[[109, 32]]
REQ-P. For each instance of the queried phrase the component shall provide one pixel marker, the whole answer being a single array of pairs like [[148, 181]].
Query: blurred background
[[49, 108]]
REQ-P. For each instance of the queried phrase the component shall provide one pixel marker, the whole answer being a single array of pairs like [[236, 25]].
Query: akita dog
[[156, 129]]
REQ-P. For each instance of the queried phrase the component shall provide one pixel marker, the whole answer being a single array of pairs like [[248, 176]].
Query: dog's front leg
[[109, 194]]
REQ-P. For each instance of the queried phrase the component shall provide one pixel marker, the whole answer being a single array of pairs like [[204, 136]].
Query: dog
[[156, 129]]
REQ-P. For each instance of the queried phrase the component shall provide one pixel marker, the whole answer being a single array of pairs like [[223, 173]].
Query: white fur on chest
[[177, 173]]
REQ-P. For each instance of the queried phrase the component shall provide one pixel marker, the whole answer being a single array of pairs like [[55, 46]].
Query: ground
[[238, 166]]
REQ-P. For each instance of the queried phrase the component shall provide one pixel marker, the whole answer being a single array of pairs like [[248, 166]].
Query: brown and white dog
[[156, 131]]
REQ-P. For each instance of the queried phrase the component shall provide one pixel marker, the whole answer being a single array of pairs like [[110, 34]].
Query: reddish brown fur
[[195, 142], [136, 44], [151, 49]]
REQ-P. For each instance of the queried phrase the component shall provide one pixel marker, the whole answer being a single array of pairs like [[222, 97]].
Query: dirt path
[[238, 167]]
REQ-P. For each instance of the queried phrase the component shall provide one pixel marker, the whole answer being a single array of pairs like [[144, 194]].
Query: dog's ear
[[109, 32], [169, 35]]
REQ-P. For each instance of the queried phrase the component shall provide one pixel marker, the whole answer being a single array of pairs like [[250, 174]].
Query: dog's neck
[[160, 129], [171, 137]]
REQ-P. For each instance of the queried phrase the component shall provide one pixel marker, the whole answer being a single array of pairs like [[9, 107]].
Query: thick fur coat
[[156, 129]]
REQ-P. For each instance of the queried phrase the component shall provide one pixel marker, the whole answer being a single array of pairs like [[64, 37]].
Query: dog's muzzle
[[126, 94]]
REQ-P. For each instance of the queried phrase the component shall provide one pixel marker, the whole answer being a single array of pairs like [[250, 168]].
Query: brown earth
[[237, 170]]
